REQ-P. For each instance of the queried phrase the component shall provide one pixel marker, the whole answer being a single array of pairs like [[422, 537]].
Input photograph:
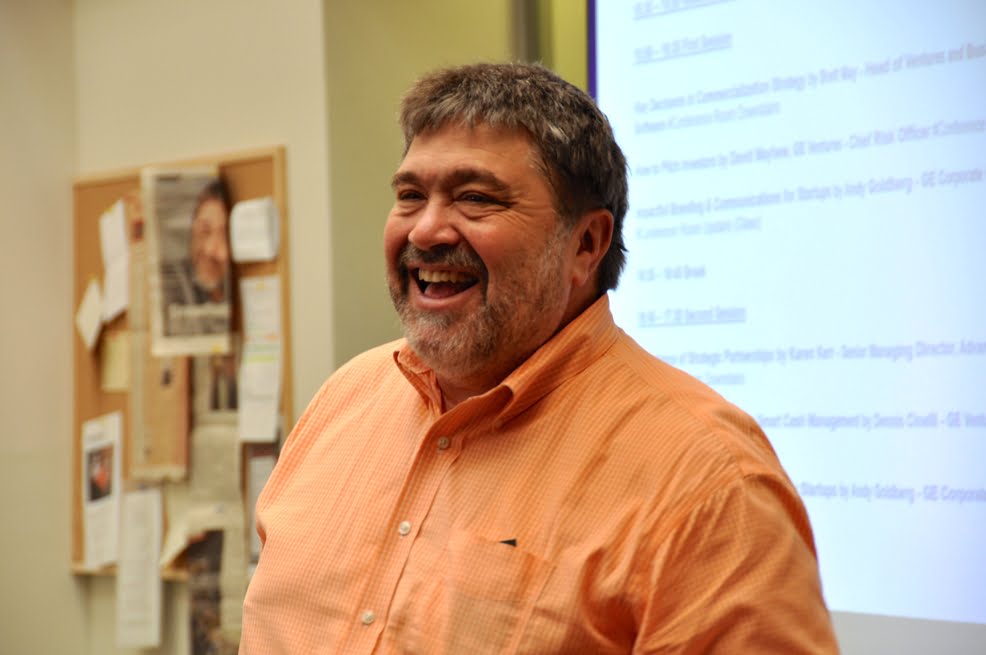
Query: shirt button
[[368, 617], [444, 443], [404, 528]]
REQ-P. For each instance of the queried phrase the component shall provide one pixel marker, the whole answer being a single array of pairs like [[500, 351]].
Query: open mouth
[[442, 283]]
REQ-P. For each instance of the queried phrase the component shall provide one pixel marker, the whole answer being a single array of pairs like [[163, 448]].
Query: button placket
[[421, 483]]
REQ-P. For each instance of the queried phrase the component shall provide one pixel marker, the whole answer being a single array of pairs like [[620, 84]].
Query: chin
[[453, 346], [210, 282]]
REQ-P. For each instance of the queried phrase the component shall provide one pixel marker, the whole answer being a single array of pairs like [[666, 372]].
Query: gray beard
[[468, 346], [447, 343]]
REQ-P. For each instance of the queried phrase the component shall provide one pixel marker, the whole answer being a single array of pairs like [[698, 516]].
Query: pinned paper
[[261, 297], [260, 363], [214, 479], [113, 244], [138, 579], [260, 384], [177, 509], [115, 359], [254, 230], [189, 276], [115, 290], [89, 318], [101, 481]]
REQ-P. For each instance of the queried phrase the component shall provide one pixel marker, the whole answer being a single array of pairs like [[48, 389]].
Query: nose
[[217, 247], [434, 226]]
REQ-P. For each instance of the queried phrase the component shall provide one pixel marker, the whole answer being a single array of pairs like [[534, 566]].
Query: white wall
[[42, 608]]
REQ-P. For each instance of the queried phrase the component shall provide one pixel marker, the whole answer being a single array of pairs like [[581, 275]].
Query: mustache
[[458, 256]]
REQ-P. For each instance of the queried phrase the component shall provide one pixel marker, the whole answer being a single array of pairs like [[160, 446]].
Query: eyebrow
[[458, 177]]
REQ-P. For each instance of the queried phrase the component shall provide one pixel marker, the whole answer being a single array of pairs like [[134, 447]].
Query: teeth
[[442, 276]]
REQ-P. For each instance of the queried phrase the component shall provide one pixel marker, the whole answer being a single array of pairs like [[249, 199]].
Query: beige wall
[[91, 85], [169, 80], [561, 39], [102, 84], [97, 85], [42, 607], [375, 50]]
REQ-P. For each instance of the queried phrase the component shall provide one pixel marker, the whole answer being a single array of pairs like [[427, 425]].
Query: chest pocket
[[477, 599]]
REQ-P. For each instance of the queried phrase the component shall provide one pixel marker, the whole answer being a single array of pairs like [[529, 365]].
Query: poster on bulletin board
[[187, 214]]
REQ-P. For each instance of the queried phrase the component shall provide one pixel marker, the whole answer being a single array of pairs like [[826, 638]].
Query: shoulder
[[370, 363], [669, 435], [679, 413], [361, 376], [347, 391], [368, 383]]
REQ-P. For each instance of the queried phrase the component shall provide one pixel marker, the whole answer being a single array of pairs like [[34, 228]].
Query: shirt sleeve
[[738, 576]]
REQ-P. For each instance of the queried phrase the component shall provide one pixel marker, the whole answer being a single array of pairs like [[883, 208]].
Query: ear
[[593, 234]]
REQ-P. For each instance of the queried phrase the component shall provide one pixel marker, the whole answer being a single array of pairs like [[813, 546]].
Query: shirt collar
[[566, 354]]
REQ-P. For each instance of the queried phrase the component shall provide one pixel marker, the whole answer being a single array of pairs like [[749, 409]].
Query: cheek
[[511, 243], [499, 254], [394, 238]]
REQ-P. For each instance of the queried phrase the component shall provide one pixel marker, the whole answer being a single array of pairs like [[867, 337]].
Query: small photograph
[[99, 468], [100, 482], [222, 383], [215, 388], [187, 216]]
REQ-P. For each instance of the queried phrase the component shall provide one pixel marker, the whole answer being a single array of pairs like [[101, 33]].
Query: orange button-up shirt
[[597, 501]]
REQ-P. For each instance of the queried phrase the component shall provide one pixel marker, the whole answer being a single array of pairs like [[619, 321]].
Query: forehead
[[498, 149], [211, 210]]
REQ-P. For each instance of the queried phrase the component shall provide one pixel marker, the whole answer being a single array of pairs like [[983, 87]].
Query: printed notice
[[260, 364], [138, 578], [101, 488]]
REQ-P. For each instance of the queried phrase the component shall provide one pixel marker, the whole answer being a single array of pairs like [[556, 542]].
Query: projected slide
[[807, 234]]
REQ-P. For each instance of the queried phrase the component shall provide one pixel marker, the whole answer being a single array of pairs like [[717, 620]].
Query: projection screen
[[807, 234]]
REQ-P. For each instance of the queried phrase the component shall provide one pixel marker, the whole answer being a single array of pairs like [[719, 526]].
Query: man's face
[[210, 247], [478, 264]]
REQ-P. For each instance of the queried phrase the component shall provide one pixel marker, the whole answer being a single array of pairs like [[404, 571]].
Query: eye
[[409, 195], [475, 197]]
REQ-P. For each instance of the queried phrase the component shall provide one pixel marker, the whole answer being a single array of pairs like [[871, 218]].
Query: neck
[[457, 385], [456, 389], [452, 397]]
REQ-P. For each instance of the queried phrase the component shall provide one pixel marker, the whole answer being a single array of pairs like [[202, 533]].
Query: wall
[[37, 161], [375, 50], [561, 44], [167, 80], [159, 81]]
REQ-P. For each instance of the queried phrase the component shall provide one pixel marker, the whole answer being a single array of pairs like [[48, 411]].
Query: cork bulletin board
[[247, 175]]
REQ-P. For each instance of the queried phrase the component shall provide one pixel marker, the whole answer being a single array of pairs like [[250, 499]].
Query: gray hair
[[579, 155]]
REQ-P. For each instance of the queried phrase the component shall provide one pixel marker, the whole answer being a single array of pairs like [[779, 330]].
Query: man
[[196, 288], [209, 246], [517, 475]]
